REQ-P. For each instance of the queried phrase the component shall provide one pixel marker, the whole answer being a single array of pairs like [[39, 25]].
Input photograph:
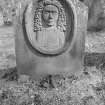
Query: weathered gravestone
[[50, 37]]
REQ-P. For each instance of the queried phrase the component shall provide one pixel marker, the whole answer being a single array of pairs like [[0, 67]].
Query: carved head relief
[[50, 15], [49, 27]]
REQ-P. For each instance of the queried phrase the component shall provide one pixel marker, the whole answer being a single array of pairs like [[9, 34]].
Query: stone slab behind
[[7, 47]]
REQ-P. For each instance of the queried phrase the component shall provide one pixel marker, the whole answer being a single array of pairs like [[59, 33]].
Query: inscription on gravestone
[[50, 37]]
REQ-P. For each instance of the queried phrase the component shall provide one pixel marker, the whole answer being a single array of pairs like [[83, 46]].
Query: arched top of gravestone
[[51, 25]]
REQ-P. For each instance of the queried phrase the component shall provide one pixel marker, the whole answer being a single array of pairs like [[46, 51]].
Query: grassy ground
[[87, 88]]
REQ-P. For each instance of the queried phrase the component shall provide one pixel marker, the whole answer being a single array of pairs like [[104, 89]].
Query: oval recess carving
[[49, 26]]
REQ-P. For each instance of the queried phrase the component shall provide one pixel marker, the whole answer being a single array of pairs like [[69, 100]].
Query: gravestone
[[1, 18], [50, 37]]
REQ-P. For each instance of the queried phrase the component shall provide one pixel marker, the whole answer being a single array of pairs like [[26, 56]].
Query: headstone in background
[[7, 48], [1, 19], [96, 17], [50, 37], [95, 39]]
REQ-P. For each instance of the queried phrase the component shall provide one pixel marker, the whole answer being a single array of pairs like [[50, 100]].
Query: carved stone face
[[50, 15]]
